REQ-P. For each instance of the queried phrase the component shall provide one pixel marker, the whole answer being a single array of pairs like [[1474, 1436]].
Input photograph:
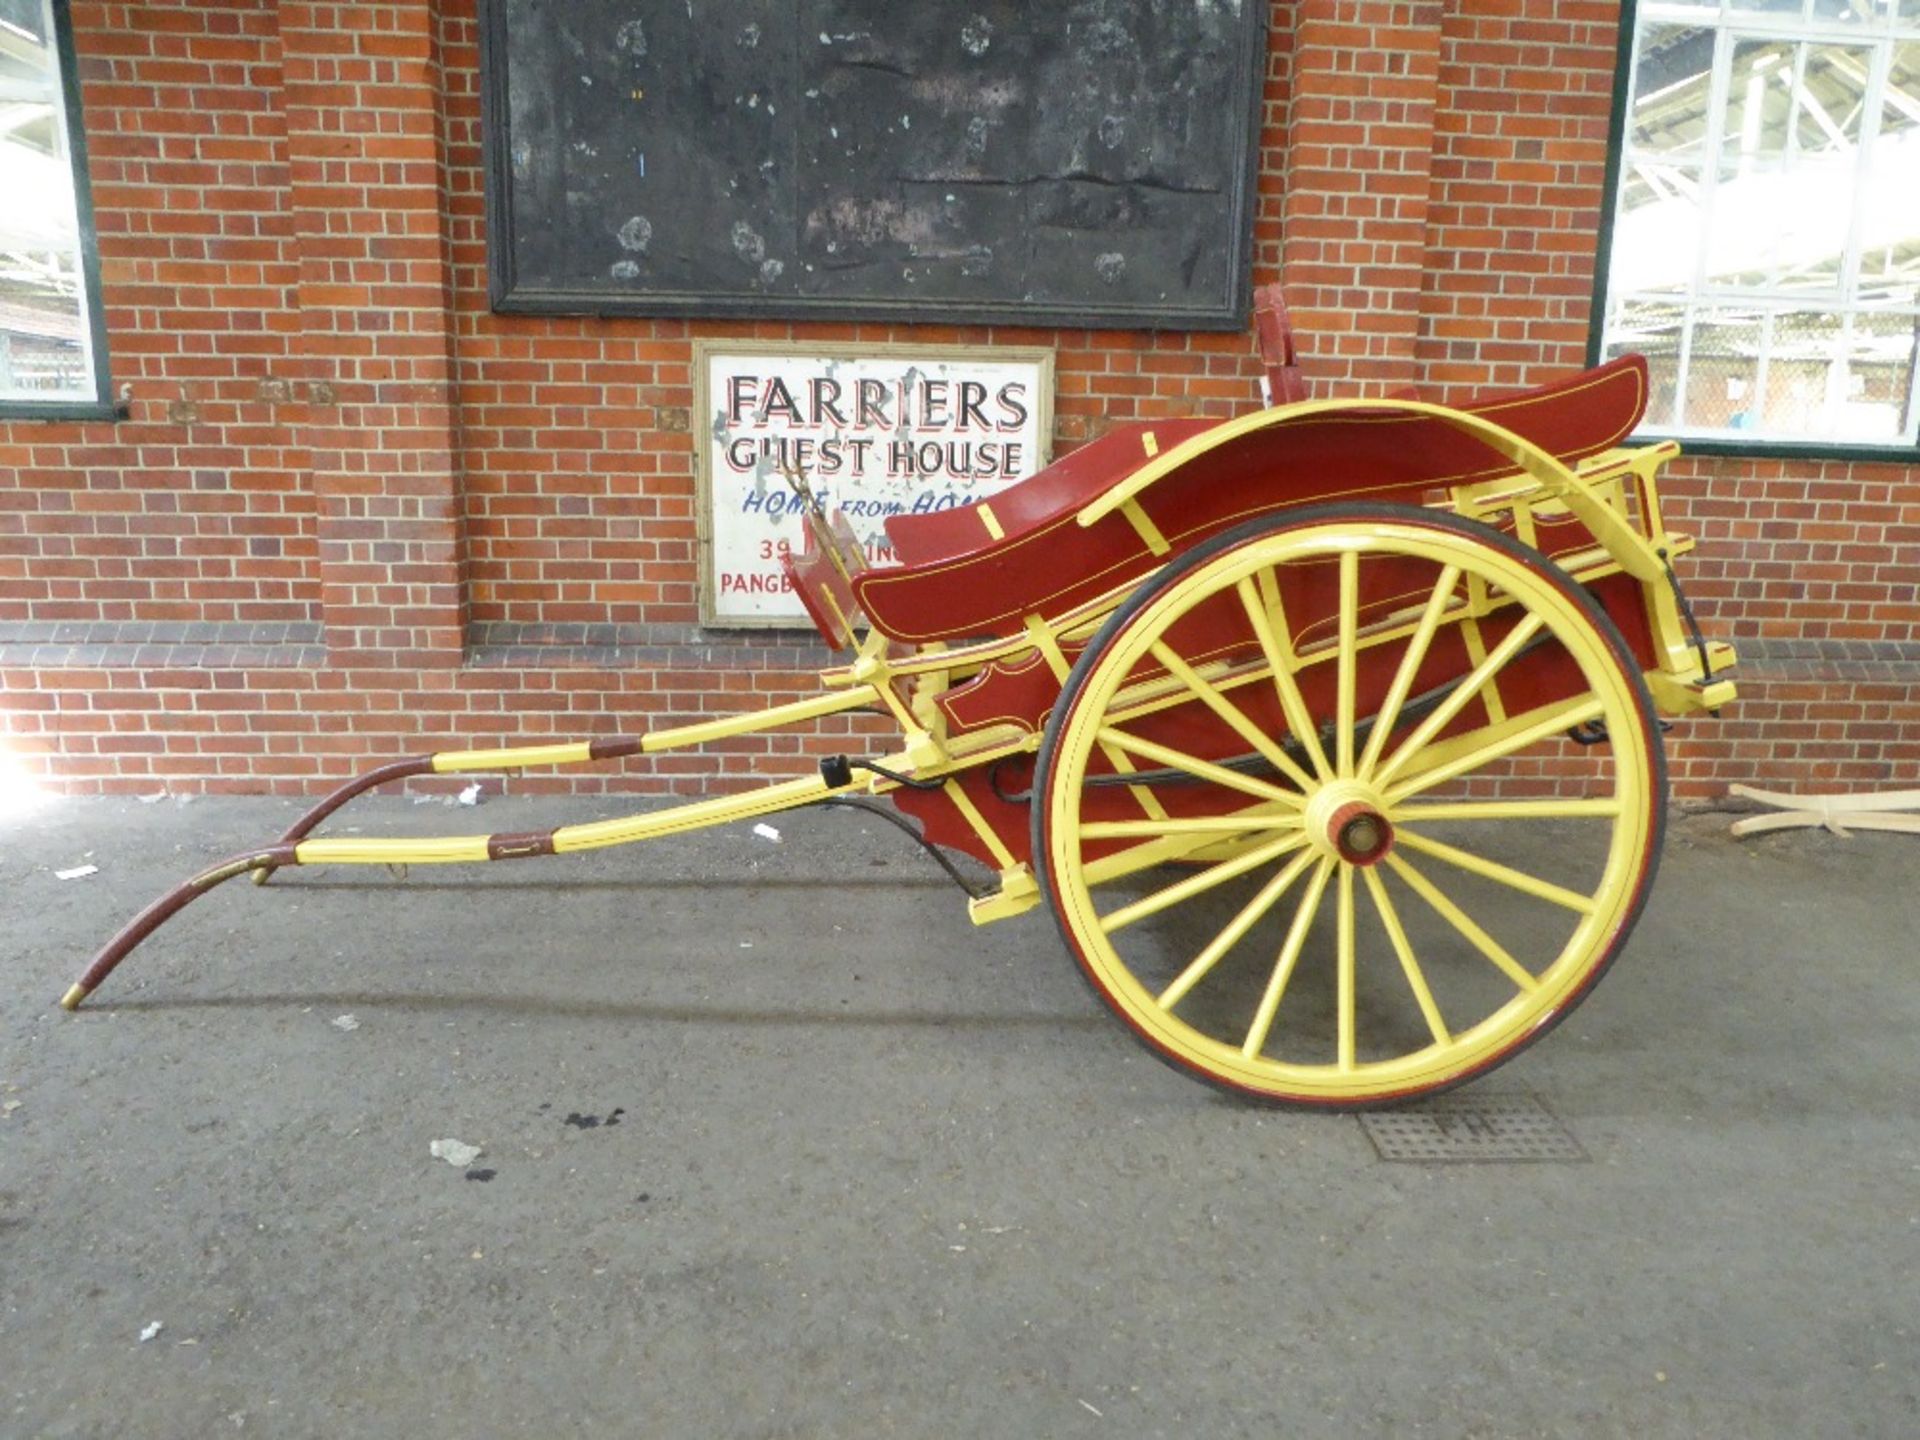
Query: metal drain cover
[[1471, 1128]]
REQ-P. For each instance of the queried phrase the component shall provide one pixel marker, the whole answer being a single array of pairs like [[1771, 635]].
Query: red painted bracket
[[1284, 382]]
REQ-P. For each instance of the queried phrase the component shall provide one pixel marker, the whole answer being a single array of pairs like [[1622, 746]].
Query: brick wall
[[1359, 187], [1519, 159], [355, 514], [198, 508]]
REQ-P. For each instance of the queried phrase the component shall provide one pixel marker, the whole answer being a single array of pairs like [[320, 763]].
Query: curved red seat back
[[961, 581]]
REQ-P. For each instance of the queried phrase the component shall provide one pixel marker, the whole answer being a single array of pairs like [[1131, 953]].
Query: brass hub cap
[[1361, 835], [1347, 821]]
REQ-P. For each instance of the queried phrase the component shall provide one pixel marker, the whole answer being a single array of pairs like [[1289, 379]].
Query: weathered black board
[[1080, 162]]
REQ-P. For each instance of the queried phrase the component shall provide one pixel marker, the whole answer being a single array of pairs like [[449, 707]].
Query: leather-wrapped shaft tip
[[71, 1000]]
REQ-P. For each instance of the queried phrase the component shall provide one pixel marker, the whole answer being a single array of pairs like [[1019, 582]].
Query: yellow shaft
[[594, 835], [519, 757]]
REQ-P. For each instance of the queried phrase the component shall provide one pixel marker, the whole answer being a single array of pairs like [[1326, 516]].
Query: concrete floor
[[883, 1174]]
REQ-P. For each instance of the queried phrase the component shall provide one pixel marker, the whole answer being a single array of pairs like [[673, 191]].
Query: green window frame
[[53, 341], [1761, 237]]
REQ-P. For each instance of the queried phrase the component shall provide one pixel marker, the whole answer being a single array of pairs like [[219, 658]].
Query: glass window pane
[[1723, 371], [26, 16], [1650, 326], [1800, 362], [1755, 133], [1890, 219], [1788, 168], [45, 345], [1673, 66], [27, 55], [1831, 99], [1877, 394], [1853, 12], [1659, 225], [1772, 276]]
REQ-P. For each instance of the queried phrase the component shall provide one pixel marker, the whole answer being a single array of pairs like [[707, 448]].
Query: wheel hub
[[1347, 821]]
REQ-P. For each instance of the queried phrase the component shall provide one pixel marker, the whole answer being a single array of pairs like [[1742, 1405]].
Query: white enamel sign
[[877, 430]]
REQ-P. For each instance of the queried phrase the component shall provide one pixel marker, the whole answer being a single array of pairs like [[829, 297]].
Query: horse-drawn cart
[[1272, 713]]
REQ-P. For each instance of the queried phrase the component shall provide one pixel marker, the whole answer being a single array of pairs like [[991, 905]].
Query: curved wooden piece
[[1062, 545], [822, 577], [340, 795], [454, 762], [1621, 540], [1062, 487], [1839, 814], [164, 909], [1870, 800], [459, 849]]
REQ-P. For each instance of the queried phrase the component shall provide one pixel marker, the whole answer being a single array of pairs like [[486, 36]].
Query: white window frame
[[95, 399], [1732, 24]]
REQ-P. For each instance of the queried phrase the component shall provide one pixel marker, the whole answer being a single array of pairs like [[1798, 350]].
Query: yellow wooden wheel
[[1350, 804]]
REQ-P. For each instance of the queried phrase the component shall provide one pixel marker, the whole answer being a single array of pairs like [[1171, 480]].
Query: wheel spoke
[[1505, 810], [1289, 956], [1410, 661], [1236, 928], [1292, 704], [1257, 817], [1343, 912], [1232, 714], [1198, 884], [1460, 921], [1347, 664], [1494, 870], [1143, 796], [1506, 743], [1458, 698], [1416, 978], [1194, 765], [1167, 850]]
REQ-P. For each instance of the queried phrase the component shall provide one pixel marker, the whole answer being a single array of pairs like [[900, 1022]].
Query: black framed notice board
[[1088, 162]]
